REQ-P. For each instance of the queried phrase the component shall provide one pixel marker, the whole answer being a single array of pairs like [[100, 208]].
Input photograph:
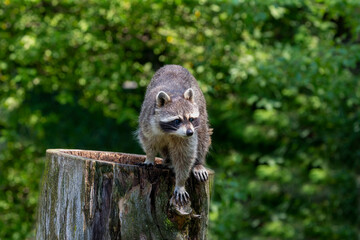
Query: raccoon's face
[[178, 116]]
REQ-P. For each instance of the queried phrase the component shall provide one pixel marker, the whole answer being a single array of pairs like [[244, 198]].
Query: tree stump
[[109, 195]]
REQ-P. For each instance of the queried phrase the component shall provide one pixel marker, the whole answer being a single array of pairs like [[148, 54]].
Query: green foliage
[[281, 81]]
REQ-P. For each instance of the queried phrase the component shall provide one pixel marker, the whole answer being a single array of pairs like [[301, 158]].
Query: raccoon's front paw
[[181, 196], [200, 173], [149, 161]]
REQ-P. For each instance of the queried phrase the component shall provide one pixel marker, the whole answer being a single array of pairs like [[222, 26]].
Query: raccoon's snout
[[189, 132]]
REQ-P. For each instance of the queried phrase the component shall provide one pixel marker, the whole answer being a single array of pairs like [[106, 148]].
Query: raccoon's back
[[172, 79]]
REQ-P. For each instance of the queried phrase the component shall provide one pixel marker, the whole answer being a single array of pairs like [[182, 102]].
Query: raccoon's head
[[179, 115]]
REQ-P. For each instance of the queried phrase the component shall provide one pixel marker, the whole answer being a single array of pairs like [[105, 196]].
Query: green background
[[281, 79]]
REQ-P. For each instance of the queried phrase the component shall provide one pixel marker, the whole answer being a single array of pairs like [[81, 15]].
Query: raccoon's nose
[[189, 132]]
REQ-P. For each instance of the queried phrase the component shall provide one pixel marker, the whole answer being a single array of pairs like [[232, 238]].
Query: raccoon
[[173, 122]]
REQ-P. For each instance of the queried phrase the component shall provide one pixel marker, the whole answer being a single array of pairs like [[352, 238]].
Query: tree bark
[[108, 195]]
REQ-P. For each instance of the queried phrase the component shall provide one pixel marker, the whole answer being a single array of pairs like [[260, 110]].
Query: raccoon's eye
[[177, 121], [191, 120]]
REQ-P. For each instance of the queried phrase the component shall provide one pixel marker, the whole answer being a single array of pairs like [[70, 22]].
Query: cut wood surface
[[109, 195]]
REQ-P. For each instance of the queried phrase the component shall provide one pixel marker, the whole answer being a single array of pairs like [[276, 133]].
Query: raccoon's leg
[[204, 142], [150, 156], [149, 149], [182, 161], [182, 169], [164, 152]]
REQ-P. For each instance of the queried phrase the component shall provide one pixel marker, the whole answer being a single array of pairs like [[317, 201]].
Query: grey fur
[[174, 93]]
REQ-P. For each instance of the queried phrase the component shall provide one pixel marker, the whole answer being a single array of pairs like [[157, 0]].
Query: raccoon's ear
[[189, 95], [162, 98]]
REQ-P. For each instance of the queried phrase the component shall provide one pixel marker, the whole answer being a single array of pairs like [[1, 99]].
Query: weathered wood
[[106, 195]]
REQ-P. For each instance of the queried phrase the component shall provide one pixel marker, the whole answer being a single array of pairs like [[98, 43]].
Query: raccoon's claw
[[200, 173], [181, 196]]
